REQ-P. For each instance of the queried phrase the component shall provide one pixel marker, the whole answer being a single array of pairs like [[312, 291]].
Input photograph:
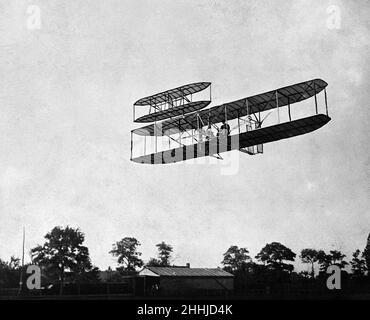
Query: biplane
[[182, 127]]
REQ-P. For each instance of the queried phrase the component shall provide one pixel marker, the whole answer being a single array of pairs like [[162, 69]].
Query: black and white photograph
[[183, 157]]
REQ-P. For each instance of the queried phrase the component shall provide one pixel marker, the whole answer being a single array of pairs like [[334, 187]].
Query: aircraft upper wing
[[239, 108], [176, 93]]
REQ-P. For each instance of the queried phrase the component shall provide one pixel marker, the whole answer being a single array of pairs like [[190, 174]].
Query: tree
[[235, 259], [366, 254], [164, 256], [153, 262], [274, 254], [335, 257], [358, 264], [305, 274], [238, 262], [324, 261], [13, 264], [9, 273], [126, 252], [85, 271], [310, 256], [164, 253], [63, 251]]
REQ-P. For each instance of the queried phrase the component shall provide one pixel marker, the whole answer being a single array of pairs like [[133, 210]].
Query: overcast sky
[[66, 95]]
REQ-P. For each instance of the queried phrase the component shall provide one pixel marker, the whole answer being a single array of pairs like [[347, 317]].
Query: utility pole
[[22, 267]]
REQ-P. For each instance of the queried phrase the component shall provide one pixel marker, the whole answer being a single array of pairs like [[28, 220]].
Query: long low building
[[179, 281]]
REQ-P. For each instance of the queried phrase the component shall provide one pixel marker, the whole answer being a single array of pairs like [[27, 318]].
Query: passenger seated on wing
[[209, 133], [225, 128], [200, 135]]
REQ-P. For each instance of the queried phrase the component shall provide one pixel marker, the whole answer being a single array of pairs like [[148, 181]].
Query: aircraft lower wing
[[251, 138]]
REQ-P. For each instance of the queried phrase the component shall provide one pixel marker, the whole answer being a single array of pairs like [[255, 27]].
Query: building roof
[[185, 272]]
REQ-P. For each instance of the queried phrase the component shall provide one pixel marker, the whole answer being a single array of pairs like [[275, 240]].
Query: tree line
[[273, 267], [63, 255]]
